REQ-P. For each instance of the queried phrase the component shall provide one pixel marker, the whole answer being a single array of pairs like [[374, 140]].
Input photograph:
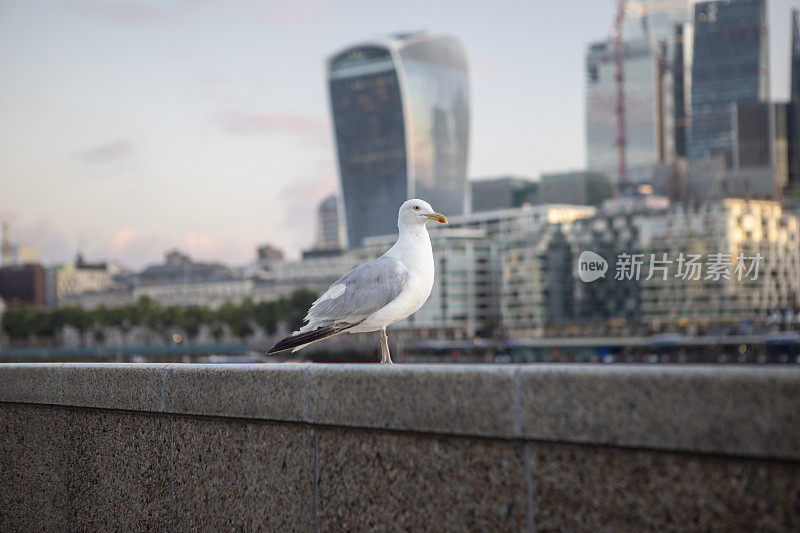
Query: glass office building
[[729, 65], [793, 117], [648, 32], [646, 103], [795, 88], [401, 118]]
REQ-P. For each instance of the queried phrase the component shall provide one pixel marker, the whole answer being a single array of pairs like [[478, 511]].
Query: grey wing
[[359, 293]]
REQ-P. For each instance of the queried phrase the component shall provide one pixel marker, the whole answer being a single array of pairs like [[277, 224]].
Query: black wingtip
[[293, 341]]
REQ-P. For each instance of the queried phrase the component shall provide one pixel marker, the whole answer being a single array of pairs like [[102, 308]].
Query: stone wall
[[354, 447]]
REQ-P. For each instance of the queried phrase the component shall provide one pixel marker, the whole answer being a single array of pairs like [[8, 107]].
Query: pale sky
[[130, 127]]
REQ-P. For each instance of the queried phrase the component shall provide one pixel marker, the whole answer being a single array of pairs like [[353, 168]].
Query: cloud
[[125, 245], [138, 249], [123, 238], [253, 123], [209, 247], [108, 153], [123, 11], [133, 248]]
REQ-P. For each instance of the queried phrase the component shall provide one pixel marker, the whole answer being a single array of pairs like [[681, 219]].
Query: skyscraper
[[759, 152], [729, 65], [647, 32], [795, 72], [330, 233], [680, 72], [400, 113], [793, 117]]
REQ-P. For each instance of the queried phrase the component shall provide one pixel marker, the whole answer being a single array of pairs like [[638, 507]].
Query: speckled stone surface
[[469, 400], [737, 410], [135, 387], [33, 468], [76, 469], [379, 481], [273, 392], [588, 488], [746, 410], [119, 471], [242, 475], [30, 383]]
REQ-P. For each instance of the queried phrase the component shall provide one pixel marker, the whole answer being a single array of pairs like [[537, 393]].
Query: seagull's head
[[418, 213]]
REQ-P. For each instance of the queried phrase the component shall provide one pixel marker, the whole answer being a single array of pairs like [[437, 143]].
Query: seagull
[[379, 293]]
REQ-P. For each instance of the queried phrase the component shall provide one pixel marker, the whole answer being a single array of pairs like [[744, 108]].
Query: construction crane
[[619, 108]]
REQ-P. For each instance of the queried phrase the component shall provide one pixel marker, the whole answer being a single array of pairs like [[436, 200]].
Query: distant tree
[[115, 317], [99, 335], [43, 327], [24, 323], [77, 318], [217, 331], [264, 315], [236, 318], [171, 318], [191, 318], [57, 322], [17, 322]]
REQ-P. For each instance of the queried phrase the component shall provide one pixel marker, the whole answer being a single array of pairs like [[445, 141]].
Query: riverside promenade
[[313, 447]]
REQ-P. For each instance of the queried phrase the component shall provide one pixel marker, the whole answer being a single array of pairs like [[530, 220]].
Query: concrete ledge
[[751, 411], [742, 410], [270, 392], [31, 383], [454, 399], [131, 387]]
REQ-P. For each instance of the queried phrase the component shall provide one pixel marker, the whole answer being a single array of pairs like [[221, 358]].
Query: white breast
[[417, 255], [407, 302]]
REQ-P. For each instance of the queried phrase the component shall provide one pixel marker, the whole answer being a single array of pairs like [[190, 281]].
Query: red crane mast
[[619, 108]]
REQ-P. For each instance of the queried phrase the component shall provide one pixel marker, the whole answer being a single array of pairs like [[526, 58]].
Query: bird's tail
[[298, 340]]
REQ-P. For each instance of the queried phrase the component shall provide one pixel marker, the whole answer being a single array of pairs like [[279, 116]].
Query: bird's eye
[[416, 208]]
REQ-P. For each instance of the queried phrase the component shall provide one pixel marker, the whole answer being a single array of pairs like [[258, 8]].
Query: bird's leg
[[385, 357]]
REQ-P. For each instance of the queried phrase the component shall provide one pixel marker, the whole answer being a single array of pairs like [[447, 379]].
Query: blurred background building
[[793, 119], [729, 64], [579, 187], [729, 227], [70, 282], [631, 77], [330, 233], [501, 193], [22, 278], [22, 284], [12, 253], [400, 113]]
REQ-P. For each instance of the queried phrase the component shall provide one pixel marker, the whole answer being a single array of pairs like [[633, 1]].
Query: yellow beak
[[438, 217]]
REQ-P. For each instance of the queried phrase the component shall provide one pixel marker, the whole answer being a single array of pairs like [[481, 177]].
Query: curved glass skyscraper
[[401, 116]]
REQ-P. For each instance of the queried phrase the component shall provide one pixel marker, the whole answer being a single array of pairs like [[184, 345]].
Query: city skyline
[[133, 128]]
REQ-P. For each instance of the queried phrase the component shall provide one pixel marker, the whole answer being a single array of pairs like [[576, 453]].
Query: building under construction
[[630, 91]]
